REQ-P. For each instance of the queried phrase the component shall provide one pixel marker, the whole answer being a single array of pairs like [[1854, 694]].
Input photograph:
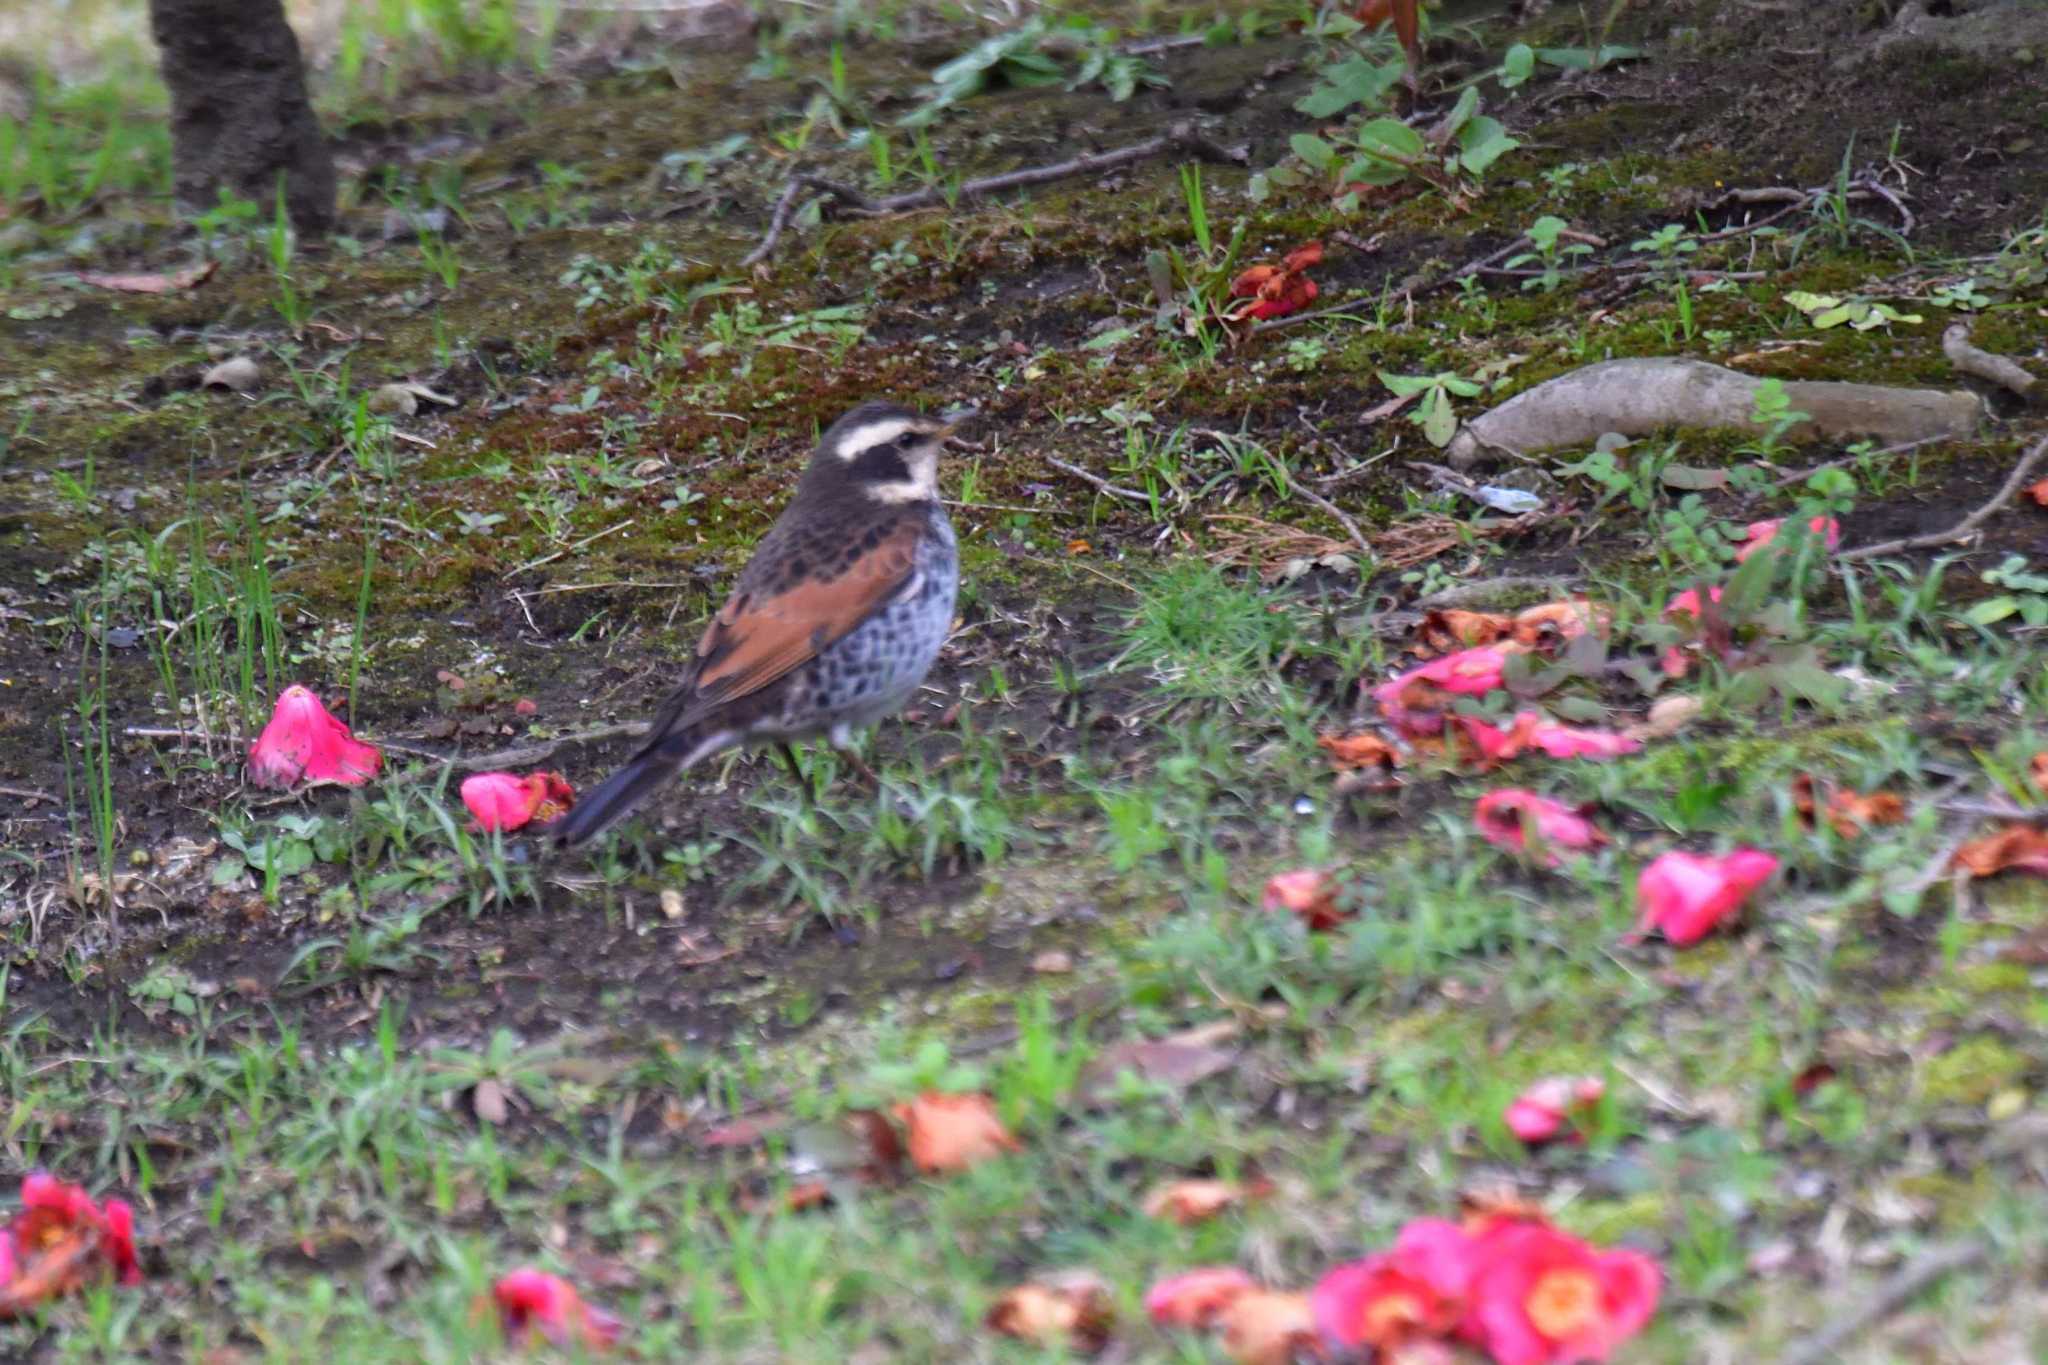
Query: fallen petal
[[1194, 1298], [1309, 894], [953, 1132], [1267, 1327], [1685, 895], [304, 742], [534, 1303], [1509, 816], [1073, 1310], [2016, 848]]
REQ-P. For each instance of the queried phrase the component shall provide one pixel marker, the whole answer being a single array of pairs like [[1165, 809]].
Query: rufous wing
[[757, 638]]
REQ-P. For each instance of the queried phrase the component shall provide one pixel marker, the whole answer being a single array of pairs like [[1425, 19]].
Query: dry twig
[[1101, 484], [1913, 1278], [2007, 491], [1181, 137], [1972, 360]]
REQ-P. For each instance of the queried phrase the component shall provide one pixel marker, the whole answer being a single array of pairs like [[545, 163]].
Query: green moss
[[1973, 1071]]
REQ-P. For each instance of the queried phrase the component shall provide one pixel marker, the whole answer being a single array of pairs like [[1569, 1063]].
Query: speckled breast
[[871, 672]]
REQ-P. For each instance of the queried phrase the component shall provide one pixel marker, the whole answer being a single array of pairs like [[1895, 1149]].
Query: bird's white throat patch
[[866, 437], [921, 486]]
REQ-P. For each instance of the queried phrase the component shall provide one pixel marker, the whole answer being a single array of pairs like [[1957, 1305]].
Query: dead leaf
[[1451, 629], [1348, 752], [1179, 1060], [671, 903], [1268, 1327], [403, 398], [2016, 848], [237, 373], [1071, 1309], [947, 1133], [1667, 717], [488, 1100], [1053, 962], [153, 283], [1192, 1201], [1565, 619], [1853, 812]]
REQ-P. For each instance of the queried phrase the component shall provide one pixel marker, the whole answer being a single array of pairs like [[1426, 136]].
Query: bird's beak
[[955, 418]]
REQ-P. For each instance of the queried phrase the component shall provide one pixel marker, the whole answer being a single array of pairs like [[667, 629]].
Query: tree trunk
[[239, 113]]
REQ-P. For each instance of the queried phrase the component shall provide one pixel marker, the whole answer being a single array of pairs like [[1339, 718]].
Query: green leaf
[[1482, 142], [1991, 610], [1313, 150], [1355, 81], [1518, 65], [1389, 137], [1401, 385], [1462, 112], [1439, 423]]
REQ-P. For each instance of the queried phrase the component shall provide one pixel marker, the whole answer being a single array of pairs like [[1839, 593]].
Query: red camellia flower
[[534, 1303], [1543, 1297], [1508, 816], [1194, 1298], [61, 1241], [1761, 533], [1277, 290], [305, 743], [1687, 894], [1309, 894], [501, 801], [1413, 701], [1416, 1290], [1542, 1111]]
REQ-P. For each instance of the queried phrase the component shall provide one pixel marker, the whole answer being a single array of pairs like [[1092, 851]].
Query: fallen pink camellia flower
[[1686, 894], [1762, 533], [1508, 817], [61, 1241], [1193, 1298], [535, 1303], [1412, 700], [304, 742], [1541, 1112], [1687, 603], [1414, 1291], [501, 801], [1540, 1296], [1307, 893], [1531, 731]]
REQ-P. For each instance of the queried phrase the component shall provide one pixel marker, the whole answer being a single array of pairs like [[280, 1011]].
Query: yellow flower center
[[1385, 1317], [1563, 1303]]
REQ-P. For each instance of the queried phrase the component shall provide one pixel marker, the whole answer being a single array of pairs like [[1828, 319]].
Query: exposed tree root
[[1638, 396]]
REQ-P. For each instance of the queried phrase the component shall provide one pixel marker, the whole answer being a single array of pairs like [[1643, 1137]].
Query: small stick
[[28, 794], [1902, 1288], [1180, 137], [2005, 494], [522, 754], [1343, 517], [1102, 484], [1800, 474], [545, 559], [1972, 360]]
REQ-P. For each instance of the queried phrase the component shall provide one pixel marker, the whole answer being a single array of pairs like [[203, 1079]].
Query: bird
[[831, 626]]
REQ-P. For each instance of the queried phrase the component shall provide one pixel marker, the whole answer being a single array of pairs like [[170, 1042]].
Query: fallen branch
[[521, 755], [1971, 360], [2007, 491], [1343, 517], [1639, 396], [1100, 484], [1181, 137], [1911, 1280]]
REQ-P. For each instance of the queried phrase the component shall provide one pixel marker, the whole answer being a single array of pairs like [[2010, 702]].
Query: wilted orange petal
[[2040, 770], [1802, 797], [1359, 751], [1268, 1327], [1567, 620], [1853, 812], [1190, 1201], [2039, 492], [2016, 848], [1194, 1298], [1451, 628], [1302, 257], [953, 1132], [1071, 1309], [1250, 281], [1310, 894]]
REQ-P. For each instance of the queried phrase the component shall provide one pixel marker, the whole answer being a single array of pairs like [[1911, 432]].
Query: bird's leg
[[796, 770], [841, 740]]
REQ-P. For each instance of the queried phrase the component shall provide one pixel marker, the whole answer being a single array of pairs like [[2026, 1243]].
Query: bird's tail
[[613, 799]]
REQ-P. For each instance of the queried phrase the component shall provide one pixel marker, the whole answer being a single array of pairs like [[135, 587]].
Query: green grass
[[354, 1059]]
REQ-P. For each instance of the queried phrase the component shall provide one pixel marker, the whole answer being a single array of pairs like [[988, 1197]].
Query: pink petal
[[304, 742], [1194, 1297], [1686, 895], [1687, 603], [1571, 741], [1506, 816], [1762, 533], [499, 801], [1539, 1113]]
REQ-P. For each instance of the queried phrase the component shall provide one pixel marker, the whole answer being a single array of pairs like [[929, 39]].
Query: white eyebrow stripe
[[867, 436]]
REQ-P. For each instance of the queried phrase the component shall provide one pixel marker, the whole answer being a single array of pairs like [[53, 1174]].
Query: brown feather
[[758, 637]]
